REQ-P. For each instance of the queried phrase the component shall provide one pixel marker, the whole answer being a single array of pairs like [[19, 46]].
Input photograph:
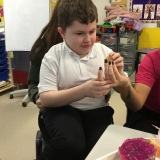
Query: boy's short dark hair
[[83, 11]]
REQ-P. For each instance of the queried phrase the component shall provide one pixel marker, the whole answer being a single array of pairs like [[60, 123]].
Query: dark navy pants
[[70, 133], [143, 120]]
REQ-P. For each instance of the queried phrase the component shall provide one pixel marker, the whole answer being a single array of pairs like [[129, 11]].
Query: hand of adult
[[118, 78], [118, 60]]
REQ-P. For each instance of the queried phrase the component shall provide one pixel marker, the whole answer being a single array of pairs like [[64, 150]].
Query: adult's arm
[[33, 80], [134, 97]]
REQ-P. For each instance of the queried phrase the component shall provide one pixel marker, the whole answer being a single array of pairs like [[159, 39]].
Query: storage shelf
[[8, 86], [5, 64], [125, 44]]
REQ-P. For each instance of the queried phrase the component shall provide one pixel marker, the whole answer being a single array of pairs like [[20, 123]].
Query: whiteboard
[[100, 4], [23, 22]]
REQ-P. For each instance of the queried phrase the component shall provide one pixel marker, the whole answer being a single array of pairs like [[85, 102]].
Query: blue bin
[[3, 55], [2, 49], [4, 75], [4, 67], [3, 61], [2, 36], [2, 43]]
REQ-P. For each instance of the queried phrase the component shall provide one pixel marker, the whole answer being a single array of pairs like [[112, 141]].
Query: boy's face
[[80, 37]]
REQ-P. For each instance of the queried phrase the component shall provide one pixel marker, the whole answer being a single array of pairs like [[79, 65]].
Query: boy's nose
[[87, 38]]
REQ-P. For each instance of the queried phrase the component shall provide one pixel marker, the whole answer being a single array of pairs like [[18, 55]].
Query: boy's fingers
[[100, 74], [106, 69]]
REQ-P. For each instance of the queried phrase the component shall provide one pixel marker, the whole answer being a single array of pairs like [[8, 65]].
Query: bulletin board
[[23, 22], [150, 9]]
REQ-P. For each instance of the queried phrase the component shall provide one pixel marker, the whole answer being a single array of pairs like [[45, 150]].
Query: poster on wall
[[138, 8], [150, 9], [158, 12]]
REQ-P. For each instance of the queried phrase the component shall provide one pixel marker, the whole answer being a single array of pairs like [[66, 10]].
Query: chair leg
[[25, 100]]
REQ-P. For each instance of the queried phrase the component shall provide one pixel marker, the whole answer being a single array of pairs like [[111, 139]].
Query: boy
[[71, 88]]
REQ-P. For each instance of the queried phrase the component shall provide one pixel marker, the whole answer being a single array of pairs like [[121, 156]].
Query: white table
[[112, 138]]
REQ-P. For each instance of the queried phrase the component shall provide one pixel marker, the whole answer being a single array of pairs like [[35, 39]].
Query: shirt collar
[[90, 55]]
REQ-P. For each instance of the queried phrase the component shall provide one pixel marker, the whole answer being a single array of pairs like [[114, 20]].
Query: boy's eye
[[79, 33], [92, 32]]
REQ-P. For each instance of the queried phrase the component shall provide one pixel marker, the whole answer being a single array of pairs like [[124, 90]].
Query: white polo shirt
[[61, 69]]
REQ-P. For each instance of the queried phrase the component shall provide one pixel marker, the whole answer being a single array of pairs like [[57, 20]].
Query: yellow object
[[1, 2], [149, 38]]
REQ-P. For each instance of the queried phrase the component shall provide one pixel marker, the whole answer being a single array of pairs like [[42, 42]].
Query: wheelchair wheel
[[11, 96], [24, 104]]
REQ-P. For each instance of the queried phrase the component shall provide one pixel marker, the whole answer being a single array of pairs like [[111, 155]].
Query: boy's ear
[[61, 32]]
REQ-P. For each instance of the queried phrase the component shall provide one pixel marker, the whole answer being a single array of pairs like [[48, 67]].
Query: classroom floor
[[19, 126]]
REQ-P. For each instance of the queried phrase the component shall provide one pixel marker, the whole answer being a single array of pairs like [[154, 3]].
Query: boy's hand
[[39, 104], [98, 87], [95, 88]]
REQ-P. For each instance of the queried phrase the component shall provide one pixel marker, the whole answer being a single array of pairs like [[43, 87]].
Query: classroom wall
[[100, 4]]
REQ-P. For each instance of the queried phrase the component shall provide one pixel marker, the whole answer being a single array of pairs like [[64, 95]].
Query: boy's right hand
[[96, 89], [39, 104]]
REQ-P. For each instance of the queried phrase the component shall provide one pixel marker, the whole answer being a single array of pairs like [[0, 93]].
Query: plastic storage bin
[[2, 49], [4, 75], [128, 56], [126, 48], [113, 47], [3, 61], [3, 67], [3, 55], [128, 38], [2, 35], [110, 40]]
